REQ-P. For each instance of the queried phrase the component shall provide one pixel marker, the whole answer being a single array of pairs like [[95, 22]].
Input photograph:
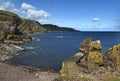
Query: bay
[[48, 50]]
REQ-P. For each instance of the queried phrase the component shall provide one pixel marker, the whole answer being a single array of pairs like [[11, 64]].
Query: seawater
[[54, 47]]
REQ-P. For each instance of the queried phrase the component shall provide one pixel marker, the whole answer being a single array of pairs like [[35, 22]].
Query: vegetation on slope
[[30, 26], [52, 28]]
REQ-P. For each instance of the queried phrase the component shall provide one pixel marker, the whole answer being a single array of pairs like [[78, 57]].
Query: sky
[[84, 15]]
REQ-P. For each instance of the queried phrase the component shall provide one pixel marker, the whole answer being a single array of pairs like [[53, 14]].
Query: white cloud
[[34, 14], [27, 6], [26, 10], [96, 19], [43, 21], [8, 6]]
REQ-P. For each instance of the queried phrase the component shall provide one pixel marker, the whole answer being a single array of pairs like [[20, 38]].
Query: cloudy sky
[[85, 15]]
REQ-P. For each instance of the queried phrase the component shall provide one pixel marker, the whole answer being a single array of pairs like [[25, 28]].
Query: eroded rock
[[114, 56], [93, 62]]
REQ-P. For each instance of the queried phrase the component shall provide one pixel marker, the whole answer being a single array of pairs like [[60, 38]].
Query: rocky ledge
[[10, 46], [91, 64]]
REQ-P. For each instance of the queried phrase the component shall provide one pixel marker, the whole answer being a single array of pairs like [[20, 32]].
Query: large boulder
[[95, 59], [92, 51], [113, 55], [92, 62]]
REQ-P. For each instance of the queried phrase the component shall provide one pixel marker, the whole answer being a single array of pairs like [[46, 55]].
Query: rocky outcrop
[[11, 23], [92, 64], [113, 56], [7, 51], [12, 28], [30, 26], [92, 51], [8, 24]]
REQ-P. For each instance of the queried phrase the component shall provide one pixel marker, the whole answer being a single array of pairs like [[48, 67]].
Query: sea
[[48, 50]]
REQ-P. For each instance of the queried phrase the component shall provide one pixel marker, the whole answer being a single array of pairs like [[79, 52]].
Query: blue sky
[[85, 15]]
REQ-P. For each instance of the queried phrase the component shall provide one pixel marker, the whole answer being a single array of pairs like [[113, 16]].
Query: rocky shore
[[9, 48], [92, 64], [17, 73], [89, 64], [11, 72]]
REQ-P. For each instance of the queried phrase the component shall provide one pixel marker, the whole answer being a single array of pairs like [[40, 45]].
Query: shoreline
[[16, 73], [30, 68]]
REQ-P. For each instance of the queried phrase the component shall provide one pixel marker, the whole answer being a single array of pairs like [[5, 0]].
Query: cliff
[[30, 26], [55, 28], [11, 23]]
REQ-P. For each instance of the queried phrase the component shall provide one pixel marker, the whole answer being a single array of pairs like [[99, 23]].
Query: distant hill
[[55, 28]]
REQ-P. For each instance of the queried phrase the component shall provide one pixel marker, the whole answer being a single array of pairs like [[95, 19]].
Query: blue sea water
[[51, 50]]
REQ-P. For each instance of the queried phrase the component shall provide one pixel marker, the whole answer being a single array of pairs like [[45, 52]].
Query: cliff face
[[30, 26], [11, 24], [8, 24]]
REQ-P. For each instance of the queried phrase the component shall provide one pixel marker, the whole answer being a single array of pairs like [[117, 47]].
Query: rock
[[92, 63], [92, 51], [38, 39], [95, 46], [88, 60], [114, 56], [18, 47], [69, 66], [95, 59], [7, 51], [29, 48], [5, 57], [85, 45]]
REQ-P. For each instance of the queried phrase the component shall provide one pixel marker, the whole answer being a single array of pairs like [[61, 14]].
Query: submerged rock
[[8, 51]]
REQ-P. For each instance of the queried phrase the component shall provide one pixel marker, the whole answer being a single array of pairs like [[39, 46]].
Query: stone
[[114, 56], [95, 59], [93, 62]]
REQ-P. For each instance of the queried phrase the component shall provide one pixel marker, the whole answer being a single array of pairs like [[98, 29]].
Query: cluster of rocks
[[92, 64], [8, 51], [9, 45]]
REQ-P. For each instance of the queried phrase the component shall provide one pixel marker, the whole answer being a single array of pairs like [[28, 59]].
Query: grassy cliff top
[[5, 15]]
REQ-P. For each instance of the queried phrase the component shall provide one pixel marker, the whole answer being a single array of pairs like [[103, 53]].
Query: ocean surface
[[48, 50]]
